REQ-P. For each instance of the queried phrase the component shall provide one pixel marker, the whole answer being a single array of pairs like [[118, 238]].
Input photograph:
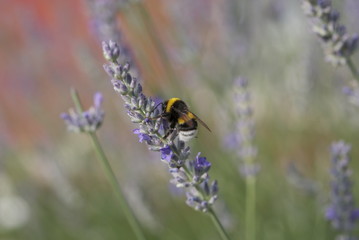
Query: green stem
[[218, 225], [250, 208], [111, 176], [353, 69], [76, 99], [116, 186]]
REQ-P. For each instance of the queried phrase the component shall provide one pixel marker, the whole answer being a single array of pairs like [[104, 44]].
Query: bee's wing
[[187, 119], [201, 122], [184, 117]]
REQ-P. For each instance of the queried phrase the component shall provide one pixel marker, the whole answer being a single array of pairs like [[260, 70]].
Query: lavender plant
[[192, 175], [341, 211], [88, 122], [242, 142]]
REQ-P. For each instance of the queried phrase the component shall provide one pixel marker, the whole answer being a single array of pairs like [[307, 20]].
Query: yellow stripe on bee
[[170, 103], [189, 116], [181, 121]]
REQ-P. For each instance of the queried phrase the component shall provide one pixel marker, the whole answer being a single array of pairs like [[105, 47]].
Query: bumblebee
[[176, 113]]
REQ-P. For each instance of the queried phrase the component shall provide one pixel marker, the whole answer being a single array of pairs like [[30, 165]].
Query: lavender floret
[[191, 175]]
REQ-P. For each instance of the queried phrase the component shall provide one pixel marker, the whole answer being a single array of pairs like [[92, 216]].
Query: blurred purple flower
[[88, 121], [97, 100], [352, 92], [103, 19], [241, 140], [104, 22], [337, 43], [341, 211]]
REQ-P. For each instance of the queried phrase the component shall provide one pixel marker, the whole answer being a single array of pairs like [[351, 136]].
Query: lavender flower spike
[[341, 211], [189, 174], [244, 134], [337, 43], [88, 121]]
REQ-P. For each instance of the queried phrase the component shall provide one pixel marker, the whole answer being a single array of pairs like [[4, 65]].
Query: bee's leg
[[162, 115], [170, 130], [157, 117]]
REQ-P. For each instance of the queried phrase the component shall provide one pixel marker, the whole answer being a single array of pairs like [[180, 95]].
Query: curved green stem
[[353, 69], [111, 176], [116, 186], [218, 225], [76, 99]]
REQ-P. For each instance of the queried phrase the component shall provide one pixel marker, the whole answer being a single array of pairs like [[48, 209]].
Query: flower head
[[191, 175], [88, 121], [241, 140], [337, 43], [341, 211]]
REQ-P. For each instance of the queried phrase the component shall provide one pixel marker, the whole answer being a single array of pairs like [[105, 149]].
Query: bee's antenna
[[161, 103]]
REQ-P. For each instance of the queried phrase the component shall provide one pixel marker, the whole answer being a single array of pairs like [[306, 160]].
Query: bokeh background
[[51, 184]]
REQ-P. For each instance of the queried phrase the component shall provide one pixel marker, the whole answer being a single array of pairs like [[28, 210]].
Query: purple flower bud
[[142, 136], [206, 188], [109, 70], [166, 153], [133, 83], [241, 82], [201, 165], [127, 78], [111, 50], [97, 100], [214, 187], [126, 67], [65, 117], [137, 89], [333, 16]]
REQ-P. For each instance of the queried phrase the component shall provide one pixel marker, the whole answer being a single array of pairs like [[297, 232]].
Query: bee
[[176, 113]]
